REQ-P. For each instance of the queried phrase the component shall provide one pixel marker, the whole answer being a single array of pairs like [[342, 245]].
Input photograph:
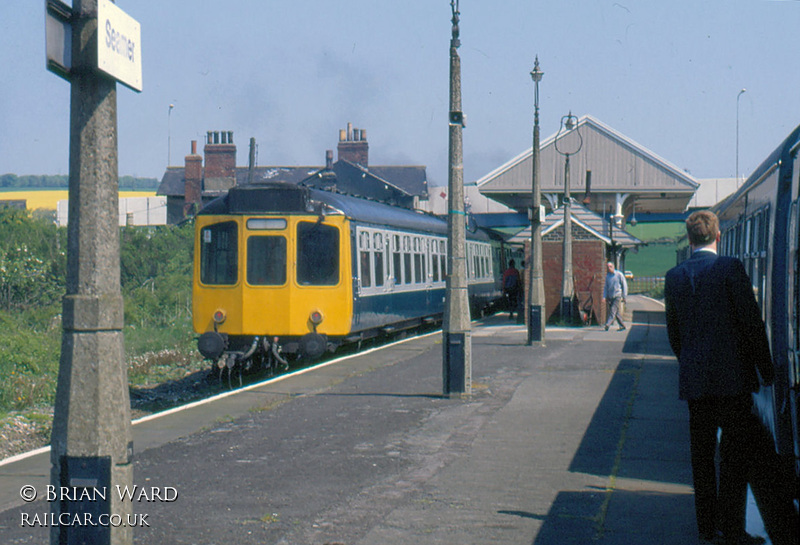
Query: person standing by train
[[614, 294], [715, 330], [511, 283]]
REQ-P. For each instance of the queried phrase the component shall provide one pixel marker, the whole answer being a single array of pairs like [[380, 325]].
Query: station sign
[[58, 35], [119, 45], [119, 42]]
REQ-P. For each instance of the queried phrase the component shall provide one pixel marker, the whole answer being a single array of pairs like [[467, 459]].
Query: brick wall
[[193, 178], [220, 171], [588, 270]]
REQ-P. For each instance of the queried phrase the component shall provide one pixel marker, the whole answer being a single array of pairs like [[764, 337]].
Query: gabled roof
[[406, 180], [618, 165], [174, 181], [595, 224], [352, 179], [412, 179]]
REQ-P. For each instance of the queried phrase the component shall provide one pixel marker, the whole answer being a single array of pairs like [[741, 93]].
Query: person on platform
[[715, 330], [615, 292], [511, 284]]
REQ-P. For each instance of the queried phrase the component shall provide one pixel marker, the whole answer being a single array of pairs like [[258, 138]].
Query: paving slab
[[582, 440]]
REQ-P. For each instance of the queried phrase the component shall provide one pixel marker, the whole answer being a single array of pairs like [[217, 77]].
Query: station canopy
[[622, 173]]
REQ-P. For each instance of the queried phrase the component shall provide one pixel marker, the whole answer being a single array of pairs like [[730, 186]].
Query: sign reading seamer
[[119, 45]]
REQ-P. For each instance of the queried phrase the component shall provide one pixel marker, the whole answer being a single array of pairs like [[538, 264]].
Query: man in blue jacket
[[615, 292], [715, 329]]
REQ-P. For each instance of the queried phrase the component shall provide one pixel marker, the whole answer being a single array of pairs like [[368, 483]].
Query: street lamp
[[169, 135], [569, 123], [535, 269], [743, 91]]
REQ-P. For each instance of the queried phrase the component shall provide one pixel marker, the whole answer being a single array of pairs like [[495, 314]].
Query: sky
[[291, 73]]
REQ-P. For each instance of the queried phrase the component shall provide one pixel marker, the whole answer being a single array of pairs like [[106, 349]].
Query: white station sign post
[[119, 45], [119, 42]]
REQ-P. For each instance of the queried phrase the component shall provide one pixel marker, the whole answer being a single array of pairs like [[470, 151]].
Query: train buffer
[[581, 441]]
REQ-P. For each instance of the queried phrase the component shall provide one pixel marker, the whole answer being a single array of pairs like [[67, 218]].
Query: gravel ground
[[25, 431]]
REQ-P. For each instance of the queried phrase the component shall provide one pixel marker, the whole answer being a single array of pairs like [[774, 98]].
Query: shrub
[[156, 283]]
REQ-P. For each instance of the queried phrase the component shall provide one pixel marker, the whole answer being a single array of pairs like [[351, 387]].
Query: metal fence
[[646, 284]]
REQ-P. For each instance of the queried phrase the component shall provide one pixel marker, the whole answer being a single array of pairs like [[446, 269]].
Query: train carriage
[[760, 225], [282, 269]]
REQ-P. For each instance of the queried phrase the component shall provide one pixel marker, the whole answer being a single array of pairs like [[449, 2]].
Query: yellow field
[[48, 199]]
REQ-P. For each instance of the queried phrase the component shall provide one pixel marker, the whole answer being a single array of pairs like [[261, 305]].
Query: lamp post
[[743, 91], [535, 268], [568, 124], [169, 135]]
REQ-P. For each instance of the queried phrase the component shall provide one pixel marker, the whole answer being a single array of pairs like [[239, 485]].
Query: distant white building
[[712, 191], [133, 211], [473, 199]]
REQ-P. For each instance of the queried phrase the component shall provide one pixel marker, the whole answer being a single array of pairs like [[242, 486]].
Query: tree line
[[61, 181]]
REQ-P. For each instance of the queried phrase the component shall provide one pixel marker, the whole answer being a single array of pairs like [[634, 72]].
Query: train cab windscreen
[[266, 260], [218, 254], [317, 254]]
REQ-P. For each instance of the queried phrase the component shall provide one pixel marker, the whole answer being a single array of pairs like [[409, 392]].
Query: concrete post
[[536, 298], [567, 287], [91, 443], [457, 344]]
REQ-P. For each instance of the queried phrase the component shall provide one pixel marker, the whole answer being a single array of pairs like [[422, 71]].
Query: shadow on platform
[[618, 518]]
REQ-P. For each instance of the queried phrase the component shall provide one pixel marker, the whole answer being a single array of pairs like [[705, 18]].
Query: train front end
[[271, 277]]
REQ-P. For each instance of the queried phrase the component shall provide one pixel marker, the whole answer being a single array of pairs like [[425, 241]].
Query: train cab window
[[317, 254], [266, 260], [219, 254]]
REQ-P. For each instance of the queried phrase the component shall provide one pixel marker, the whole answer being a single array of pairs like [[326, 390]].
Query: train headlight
[[219, 316], [316, 317]]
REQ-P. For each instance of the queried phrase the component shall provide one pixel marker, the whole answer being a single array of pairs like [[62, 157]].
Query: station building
[[614, 181]]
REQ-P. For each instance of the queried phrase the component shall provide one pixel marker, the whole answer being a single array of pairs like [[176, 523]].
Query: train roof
[[789, 143], [290, 199]]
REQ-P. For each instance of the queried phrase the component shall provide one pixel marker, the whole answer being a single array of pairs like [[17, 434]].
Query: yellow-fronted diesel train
[[285, 271]]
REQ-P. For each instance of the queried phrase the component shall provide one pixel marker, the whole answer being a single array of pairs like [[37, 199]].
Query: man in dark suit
[[715, 329]]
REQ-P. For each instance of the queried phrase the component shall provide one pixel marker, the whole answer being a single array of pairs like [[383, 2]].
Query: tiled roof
[[406, 180], [598, 225]]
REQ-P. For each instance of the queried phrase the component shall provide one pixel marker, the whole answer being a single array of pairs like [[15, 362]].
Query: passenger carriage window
[[266, 260], [378, 253], [397, 260], [423, 258], [219, 254], [418, 275], [364, 252], [408, 278], [317, 254]]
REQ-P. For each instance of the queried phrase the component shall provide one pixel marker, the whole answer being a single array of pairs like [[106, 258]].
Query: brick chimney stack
[[193, 181], [220, 152], [353, 146]]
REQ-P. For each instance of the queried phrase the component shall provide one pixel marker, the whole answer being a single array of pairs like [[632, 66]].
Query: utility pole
[[91, 442], [457, 368]]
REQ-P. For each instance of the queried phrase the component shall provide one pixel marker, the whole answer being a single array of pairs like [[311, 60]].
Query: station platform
[[580, 441]]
